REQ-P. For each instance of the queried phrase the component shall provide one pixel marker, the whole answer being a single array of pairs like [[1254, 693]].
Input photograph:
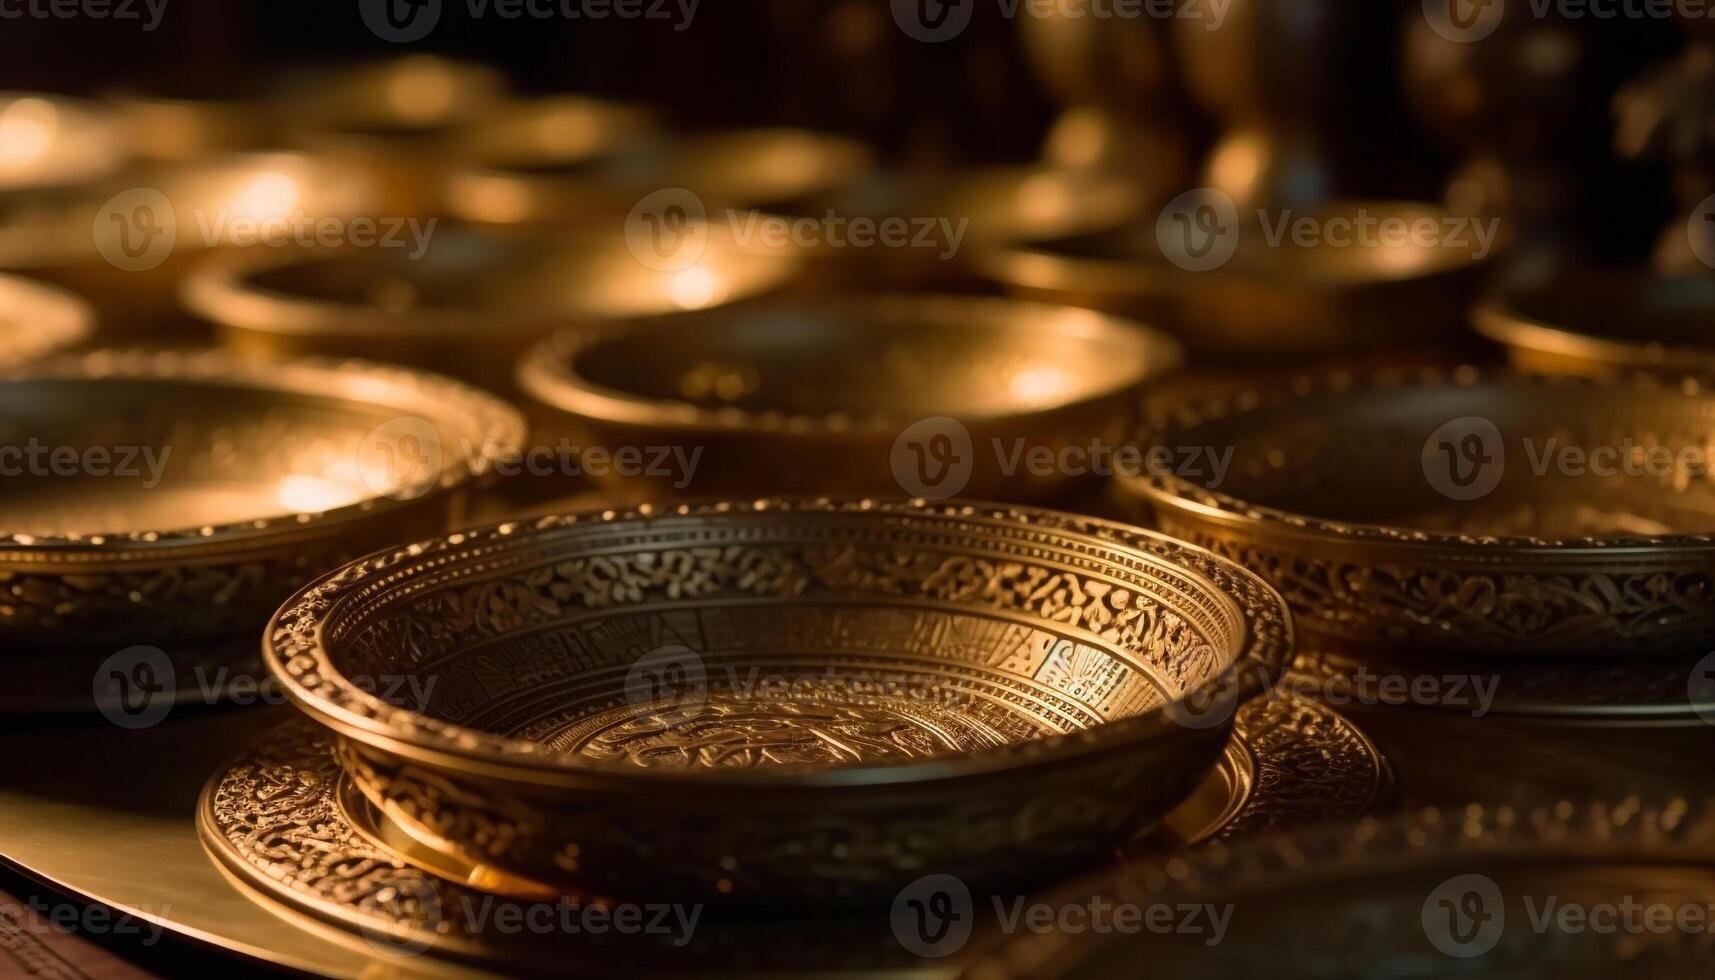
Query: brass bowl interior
[[807, 640], [95, 454], [887, 360], [1359, 456]]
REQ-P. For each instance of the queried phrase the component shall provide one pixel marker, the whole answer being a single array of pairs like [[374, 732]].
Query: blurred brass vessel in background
[[1605, 324], [1266, 300], [181, 495], [931, 396], [471, 303], [1462, 512], [37, 319], [51, 142], [918, 697]]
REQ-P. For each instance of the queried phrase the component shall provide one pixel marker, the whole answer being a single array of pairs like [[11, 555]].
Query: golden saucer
[[126, 246], [169, 497], [37, 319], [1264, 301], [1602, 324], [1435, 510], [51, 142], [468, 305], [933, 396], [732, 169], [397, 120], [1433, 893], [281, 822], [922, 230], [916, 672]]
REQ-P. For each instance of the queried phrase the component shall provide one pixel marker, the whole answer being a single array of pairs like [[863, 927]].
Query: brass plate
[[1602, 323], [1432, 893], [855, 669], [277, 821], [1423, 509]]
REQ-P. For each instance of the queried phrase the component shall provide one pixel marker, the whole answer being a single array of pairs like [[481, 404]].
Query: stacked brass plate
[[934, 396], [126, 247], [1604, 324], [50, 142], [164, 498], [1460, 511], [396, 120], [851, 690], [1568, 890], [517, 176], [464, 302], [924, 231], [1267, 298], [37, 320]]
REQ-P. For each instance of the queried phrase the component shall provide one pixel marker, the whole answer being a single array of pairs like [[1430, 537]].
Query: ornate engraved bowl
[[931, 395], [467, 303], [127, 248], [50, 142], [167, 497], [723, 170], [1618, 889], [1604, 324], [37, 320], [779, 701], [918, 230], [1264, 299], [1459, 511]]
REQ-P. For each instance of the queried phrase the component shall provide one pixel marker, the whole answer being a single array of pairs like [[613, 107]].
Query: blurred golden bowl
[[713, 171], [927, 395], [922, 230], [160, 497], [37, 320], [1268, 298], [52, 142], [925, 700], [469, 304], [1599, 323], [126, 246], [1460, 512], [183, 118]]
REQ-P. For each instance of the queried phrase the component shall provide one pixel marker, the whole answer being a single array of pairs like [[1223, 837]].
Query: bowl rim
[[1034, 264], [1503, 316], [1172, 492], [495, 428], [297, 656], [547, 374], [47, 319]]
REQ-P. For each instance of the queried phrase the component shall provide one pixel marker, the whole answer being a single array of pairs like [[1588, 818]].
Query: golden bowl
[[916, 230], [1597, 889], [604, 179], [1458, 511], [160, 497], [1601, 323], [37, 320], [126, 248], [933, 396], [849, 690], [397, 120], [1272, 296], [464, 302], [50, 142]]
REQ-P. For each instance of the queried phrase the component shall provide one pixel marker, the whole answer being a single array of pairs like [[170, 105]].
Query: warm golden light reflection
[[421, 92], [695, 288], [1041, 197], [1237, 165], [307, 494], [28, 128], [499, 201], [1040, 385], [270, 194]]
